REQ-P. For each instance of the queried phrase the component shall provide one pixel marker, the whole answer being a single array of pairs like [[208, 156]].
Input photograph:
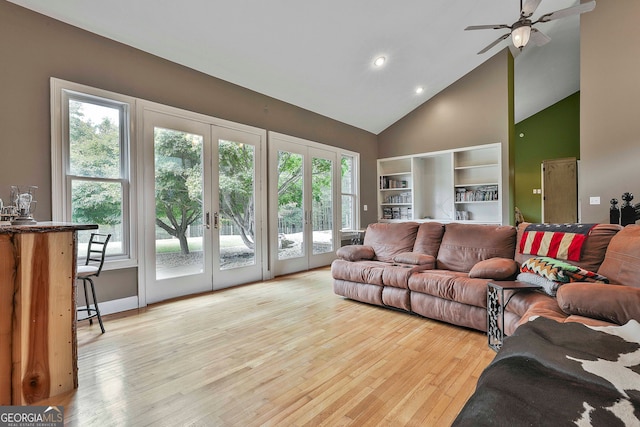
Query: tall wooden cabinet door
[[560, 190]]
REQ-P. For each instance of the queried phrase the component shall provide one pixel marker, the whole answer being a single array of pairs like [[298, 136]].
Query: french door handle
[[216, 219], [207, 220]]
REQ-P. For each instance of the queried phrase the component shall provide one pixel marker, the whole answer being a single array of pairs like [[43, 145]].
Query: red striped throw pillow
[[560, 241]]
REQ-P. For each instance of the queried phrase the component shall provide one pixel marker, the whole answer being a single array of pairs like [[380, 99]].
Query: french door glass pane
[[290, 205], [322, 205], [237, 205], [179, 196]]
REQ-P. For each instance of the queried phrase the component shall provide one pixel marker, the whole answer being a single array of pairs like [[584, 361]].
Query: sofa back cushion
[[390, 239], [464, 245], [429, 238], [621, 263], [593, 249]]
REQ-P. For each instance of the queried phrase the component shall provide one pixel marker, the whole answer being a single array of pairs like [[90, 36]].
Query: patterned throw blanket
[[560, 374], [561, 241]]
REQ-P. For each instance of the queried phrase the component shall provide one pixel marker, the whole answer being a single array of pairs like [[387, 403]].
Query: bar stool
[[92, 268]]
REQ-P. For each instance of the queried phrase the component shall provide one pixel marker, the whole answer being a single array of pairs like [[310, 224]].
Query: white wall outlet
[[365, 208], [594, 200]]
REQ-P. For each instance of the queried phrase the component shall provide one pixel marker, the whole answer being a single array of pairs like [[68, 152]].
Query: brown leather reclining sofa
[[441, 271]]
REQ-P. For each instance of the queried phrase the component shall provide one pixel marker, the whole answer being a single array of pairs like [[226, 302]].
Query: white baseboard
[[118, 305]]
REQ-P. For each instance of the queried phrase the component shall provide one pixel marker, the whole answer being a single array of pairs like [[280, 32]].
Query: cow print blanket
[[560, 374]]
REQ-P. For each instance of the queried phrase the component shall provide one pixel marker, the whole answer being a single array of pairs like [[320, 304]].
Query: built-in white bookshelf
[[463, 184]]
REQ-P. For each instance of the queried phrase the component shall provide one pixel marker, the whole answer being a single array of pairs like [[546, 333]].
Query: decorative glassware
[[24, 205]]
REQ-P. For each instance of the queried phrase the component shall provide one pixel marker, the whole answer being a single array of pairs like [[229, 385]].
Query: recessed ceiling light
[[379, 61], [419, 90]]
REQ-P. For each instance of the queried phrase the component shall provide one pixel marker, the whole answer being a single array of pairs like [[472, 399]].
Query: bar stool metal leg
[[95, 311], [95, 304]]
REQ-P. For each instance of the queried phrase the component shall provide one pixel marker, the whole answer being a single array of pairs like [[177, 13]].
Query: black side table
[[496, 305]]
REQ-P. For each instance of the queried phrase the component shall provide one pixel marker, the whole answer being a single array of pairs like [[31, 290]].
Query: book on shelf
[[485, 193], [398, 198], [401, 213], [387, 213], [387, 183]]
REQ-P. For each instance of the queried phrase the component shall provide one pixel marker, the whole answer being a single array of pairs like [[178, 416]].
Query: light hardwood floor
[[288, 352]]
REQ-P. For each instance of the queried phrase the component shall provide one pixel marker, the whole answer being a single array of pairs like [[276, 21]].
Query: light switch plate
[[594, 200]]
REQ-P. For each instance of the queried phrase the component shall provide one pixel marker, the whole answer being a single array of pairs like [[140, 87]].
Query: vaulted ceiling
[[319, 55]]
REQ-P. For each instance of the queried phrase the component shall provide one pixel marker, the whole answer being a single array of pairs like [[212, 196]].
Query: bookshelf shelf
[[462, 184]]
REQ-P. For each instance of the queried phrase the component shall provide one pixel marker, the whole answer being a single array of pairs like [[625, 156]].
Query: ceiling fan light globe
[[520, 36]]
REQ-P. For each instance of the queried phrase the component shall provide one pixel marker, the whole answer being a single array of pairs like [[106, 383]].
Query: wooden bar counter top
[[38, 348]]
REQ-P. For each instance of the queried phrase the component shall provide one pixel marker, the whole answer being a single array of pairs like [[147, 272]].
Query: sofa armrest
[[428, 262], [614, 303], [494, 268], [356, 253]]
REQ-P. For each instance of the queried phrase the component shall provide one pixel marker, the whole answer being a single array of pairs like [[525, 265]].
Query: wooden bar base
[[38, 350]]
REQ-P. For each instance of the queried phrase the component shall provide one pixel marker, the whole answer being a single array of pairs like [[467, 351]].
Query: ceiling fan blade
[[494, 43], [539, 38], [563, 13], [486, 27], [529, 8]]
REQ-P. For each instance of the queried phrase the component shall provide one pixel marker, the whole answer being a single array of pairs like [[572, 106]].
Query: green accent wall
[[553, 133], [512, 139]]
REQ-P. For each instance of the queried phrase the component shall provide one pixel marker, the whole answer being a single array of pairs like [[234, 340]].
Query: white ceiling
[[318, 55]]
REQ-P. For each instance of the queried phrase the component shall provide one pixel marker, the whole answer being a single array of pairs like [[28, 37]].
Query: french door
[[302, 213], [203, 205]]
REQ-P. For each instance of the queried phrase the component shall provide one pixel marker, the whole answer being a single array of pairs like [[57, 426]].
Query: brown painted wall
[[35, 48], [477, 109], [609, 108]]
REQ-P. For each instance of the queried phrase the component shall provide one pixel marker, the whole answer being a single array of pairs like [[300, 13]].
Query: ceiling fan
[[522, 30]]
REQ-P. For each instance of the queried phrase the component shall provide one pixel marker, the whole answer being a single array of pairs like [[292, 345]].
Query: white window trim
[[356, 184], [60, 211]]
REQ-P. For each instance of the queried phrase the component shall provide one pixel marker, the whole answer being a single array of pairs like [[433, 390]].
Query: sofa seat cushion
[[361, 271], [622, 261], [544, 308], [426, 261], [520, 301], [450, 285], [464, 245], [397, 275], [390, 239]]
